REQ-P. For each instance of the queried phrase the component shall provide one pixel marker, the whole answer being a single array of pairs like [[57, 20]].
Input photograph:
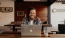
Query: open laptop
[[31, 30]]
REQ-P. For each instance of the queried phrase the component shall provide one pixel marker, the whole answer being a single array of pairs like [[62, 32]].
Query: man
[[31, 17]]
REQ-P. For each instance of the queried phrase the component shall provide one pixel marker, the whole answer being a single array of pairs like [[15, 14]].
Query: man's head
[[31, 13]]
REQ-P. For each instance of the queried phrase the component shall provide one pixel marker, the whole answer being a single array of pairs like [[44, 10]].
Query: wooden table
[[51, 36], [19, 36], [13, 26], [19, 25]]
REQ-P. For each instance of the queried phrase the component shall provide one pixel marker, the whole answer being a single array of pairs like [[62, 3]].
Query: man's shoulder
[[37, 18], [24, 19]]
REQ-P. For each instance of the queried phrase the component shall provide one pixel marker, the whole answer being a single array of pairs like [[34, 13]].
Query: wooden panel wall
[[41, 9]]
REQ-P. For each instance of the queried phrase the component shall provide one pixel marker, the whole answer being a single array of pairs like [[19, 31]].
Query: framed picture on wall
[[20, 13]]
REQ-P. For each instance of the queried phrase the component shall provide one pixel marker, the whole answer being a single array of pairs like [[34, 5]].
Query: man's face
[[32, 14]]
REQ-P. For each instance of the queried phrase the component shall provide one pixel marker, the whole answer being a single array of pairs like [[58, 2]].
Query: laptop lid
[[31, 30]]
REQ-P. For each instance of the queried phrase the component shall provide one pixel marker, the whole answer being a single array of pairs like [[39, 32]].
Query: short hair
[[28, 11]]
